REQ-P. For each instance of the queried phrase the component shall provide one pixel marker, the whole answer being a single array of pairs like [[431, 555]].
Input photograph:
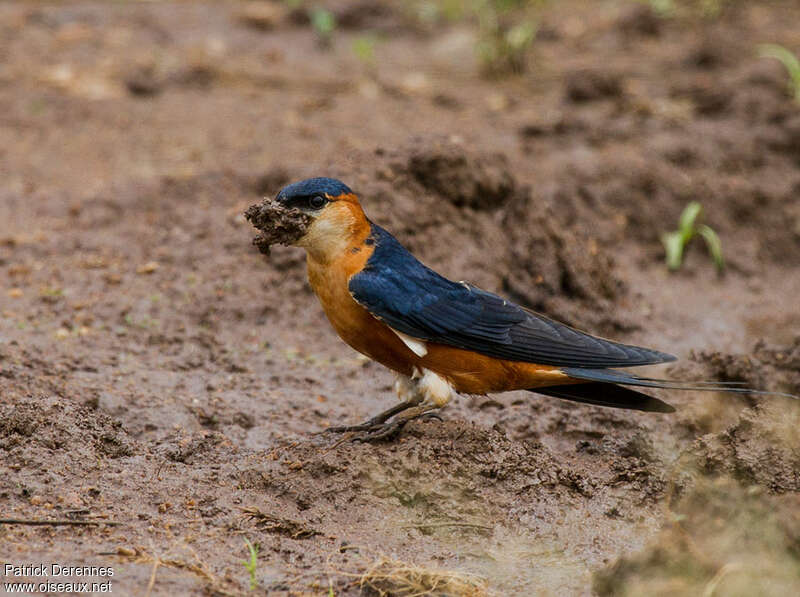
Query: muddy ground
[[158, 372]]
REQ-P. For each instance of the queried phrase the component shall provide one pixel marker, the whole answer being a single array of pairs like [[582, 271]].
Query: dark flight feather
[[413, 299], [610, 376], [606, 394]]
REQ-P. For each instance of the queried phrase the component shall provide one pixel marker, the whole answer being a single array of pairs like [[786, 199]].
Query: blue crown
[[314, 186]]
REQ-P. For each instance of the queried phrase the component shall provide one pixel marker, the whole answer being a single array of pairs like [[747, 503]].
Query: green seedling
[[432, 12], [251, 565], [712, 8], [506, 29], [324, 24], [663, 8], [675, 242], [788, 60], [519, 37], [502, 48], [672, 8], [364, 49]]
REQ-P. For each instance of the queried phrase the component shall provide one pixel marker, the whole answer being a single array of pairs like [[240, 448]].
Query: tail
[[601, 389], [613, 376], [607, 394]]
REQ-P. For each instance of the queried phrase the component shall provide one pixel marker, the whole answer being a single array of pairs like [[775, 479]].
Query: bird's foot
[[391, 428], [365, 426], [376, 420], [380, 428]]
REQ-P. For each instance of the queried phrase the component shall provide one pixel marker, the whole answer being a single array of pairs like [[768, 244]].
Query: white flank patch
[[416, 346], [435, 388], [405, 387]]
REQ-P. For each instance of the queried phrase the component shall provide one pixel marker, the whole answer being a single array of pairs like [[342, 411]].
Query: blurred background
[[629, 167]]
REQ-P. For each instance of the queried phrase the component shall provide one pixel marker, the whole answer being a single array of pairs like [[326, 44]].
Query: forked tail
[[601, 389]]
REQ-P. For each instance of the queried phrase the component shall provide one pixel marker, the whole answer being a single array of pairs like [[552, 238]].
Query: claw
[[430, 416], [385, 431], [376, 421], [349, 428], [380, 428]]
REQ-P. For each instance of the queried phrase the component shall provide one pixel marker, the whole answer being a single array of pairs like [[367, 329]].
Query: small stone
[[497, 102], [147, 268], [263, 16], [414, 82]]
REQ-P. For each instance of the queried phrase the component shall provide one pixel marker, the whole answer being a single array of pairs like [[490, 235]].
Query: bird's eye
[[317, 201]]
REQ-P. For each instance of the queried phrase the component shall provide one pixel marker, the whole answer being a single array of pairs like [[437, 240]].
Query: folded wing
[[400, 291]]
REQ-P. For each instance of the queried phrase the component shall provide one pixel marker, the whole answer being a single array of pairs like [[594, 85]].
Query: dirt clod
[[640, 19], [763, 447], [263, 16], [280, 526], [477, 180], [277, 224], [712, 548], [589, 85]]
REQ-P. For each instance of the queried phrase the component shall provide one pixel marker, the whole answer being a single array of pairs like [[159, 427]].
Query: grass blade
[[686, 224], [673, 245], [789, 61], [714, 245]]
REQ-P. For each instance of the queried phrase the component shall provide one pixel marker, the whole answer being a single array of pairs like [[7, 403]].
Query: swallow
[[441, 337]]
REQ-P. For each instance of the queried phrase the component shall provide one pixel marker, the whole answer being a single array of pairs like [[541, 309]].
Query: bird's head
[[335, 216]]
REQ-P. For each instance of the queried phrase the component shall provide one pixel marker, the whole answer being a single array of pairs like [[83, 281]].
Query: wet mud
[[158, 373]]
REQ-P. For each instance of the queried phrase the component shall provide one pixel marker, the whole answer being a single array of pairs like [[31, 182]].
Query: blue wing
[[413, 299]]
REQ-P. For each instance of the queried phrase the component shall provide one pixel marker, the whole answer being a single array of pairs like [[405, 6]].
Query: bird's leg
[[420, 394], [390, 428], [378, 419]]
